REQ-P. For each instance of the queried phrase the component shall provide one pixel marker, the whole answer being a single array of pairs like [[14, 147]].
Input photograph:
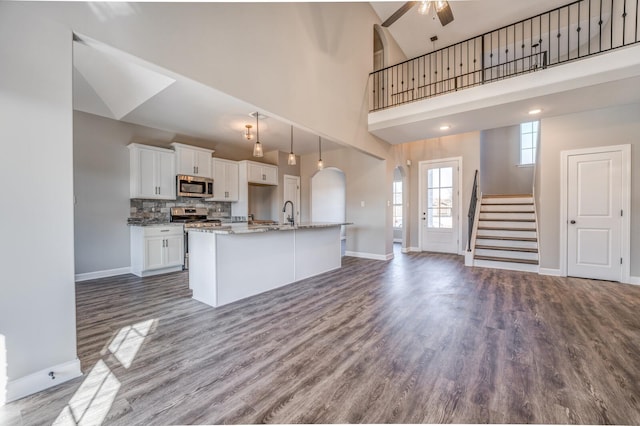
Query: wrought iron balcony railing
[[568, 33]]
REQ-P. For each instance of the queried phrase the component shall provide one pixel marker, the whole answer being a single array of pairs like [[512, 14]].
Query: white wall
[[611, 126], [37, 292]]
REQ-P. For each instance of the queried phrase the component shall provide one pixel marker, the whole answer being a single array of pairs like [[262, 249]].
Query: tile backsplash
[[159, 209]]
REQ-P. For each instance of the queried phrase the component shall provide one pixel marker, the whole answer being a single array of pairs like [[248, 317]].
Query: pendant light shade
[[292, 157], [257, 147], [320, 163]]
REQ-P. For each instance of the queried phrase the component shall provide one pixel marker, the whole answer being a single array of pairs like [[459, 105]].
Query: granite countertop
[[243, 228], [151, 222]]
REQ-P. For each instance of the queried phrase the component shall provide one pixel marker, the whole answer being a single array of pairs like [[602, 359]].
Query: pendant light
[[320, 163], [257, 147], [292, 157], [247, 132]]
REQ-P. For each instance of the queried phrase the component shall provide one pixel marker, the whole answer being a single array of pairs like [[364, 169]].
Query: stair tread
[[490, 237], [507, 196], [505, 211], [506, 259], [507, 204], [522, 249], [489, 228], [506, 220]]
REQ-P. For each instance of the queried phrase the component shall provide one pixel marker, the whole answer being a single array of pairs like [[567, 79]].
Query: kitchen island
[[233, 262]]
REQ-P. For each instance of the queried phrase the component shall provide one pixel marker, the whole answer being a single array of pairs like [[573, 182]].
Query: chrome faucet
[[284, 209]]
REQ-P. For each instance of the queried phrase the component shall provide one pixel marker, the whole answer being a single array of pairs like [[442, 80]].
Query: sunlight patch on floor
[[93, 400], [128, 341]]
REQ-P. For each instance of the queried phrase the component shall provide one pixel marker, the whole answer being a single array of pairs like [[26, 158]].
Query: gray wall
[[465, 145], [611, 126], [366, 181], [499, 159]]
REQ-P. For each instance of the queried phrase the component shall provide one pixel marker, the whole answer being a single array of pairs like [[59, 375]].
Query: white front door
[[292, 193], [439, 206], [595, 215]]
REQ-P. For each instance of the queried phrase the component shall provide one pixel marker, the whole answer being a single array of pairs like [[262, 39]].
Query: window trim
[[536, 139]]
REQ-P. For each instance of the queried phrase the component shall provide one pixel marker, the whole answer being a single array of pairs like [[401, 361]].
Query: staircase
[[506, 235]]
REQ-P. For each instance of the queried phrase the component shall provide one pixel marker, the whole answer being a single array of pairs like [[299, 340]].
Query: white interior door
[[594, 212], [292, 193], [439, 206]]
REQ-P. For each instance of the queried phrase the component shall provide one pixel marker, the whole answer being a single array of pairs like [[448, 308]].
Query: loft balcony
[[584, 55]]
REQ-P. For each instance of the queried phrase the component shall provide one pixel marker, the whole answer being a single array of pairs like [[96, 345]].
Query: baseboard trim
[[40, 380], [373, 256], [634, 280], [102, 274], [550, 272], [414, 249], [405, 250]]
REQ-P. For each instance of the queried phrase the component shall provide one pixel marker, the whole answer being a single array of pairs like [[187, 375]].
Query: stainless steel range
[[192, 217]]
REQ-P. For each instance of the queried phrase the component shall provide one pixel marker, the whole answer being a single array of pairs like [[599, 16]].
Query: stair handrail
[[472, 209]]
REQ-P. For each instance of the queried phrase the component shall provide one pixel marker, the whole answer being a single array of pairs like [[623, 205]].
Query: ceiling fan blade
[[398, 13], [445, 15]]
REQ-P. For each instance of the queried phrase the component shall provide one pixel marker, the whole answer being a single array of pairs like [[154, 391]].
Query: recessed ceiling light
[[535, 111], [445, 127]]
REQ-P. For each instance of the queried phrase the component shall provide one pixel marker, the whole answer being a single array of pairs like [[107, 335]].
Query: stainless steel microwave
[[194, 186]]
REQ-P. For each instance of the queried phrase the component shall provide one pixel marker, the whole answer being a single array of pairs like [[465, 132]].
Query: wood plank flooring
[[419, 339]]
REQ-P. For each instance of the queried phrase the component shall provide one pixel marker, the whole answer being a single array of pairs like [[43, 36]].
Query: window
[[528, 142], [397, 204], [440, 198]]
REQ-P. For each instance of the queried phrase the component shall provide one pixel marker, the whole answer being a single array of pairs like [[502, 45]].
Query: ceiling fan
[[442, 8]]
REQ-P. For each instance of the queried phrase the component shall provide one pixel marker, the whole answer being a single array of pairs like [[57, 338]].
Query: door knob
[[572, 222]]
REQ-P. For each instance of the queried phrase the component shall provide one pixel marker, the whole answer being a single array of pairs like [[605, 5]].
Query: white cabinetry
[[192, 161], [156, 249], [225, 180], [152, 172], [263, 174]]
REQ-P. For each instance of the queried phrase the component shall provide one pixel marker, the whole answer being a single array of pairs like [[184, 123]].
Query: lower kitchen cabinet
[[156, 249]]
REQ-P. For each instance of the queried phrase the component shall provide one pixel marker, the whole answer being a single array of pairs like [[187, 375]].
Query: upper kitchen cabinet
[[262, 174], [152, 172], [225, 180], [192, 160]]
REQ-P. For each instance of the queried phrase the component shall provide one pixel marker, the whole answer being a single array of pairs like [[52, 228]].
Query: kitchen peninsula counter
[[229, 263]]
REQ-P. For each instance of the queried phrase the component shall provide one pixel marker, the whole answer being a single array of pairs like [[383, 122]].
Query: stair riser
[[506, 243], [500, 224], [520, 234], [507, 254], [506, 200], [505, 265], [506, 215], [508, 208]]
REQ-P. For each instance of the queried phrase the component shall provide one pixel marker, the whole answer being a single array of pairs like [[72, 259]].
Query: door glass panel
[[446, 177], [440, 198]]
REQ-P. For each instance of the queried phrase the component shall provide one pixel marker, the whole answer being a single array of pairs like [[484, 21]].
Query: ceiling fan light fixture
[[443, 10], [424, 7]]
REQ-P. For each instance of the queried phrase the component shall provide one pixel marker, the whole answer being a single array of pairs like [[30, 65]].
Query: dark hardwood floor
[[419, 339]]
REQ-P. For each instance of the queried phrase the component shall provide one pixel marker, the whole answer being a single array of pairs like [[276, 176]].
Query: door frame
[[626, 205], [421, 166], [297, 214]]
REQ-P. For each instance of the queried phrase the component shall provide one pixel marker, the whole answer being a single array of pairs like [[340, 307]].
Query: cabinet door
[[219, 184], [270, 175], [166, 176], [185, 162], [174, 250], [202, 161], [231, 177], [147, 186], [255, 173], [154, 252]]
